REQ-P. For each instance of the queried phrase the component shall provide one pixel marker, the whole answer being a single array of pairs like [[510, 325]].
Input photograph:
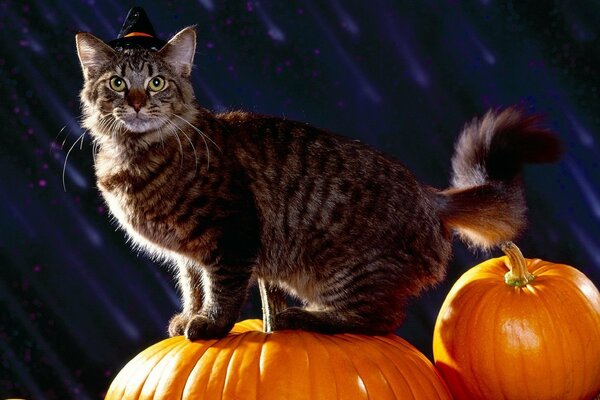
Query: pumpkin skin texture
[[539, 341], [250, 364]]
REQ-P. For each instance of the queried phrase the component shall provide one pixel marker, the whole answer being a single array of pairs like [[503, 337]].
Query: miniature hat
[[137, 31]]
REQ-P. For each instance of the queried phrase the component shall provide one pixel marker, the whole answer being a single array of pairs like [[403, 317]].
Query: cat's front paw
[[198, 326], [203, 327], [177, 324]]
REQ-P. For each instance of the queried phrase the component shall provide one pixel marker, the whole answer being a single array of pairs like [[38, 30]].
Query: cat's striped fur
[[228, 197]]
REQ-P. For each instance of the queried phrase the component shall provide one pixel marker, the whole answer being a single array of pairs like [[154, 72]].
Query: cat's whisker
[[163, 121], [53, 144], [57, 135], [194, 148], [174, 132], [199, 131], [94, 150], [67, 158]]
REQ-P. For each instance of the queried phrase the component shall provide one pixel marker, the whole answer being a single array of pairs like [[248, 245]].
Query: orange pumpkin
[[534, 334], [250, 364]]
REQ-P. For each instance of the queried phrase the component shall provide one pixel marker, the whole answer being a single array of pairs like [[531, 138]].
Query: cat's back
[[262, 141], [322, 189]]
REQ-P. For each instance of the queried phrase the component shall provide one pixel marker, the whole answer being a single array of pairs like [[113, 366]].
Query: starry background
[[77, 303]]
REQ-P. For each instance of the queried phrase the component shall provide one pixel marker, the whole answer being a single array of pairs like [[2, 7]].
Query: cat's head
[[136, 92]]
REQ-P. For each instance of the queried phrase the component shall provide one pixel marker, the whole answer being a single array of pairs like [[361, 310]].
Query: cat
[[235, 196]]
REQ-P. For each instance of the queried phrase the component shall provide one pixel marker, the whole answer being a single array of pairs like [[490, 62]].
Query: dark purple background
[[77, 302]]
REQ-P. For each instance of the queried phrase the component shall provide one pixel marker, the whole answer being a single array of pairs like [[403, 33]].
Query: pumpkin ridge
[[204, 346], [342, 354], [577, 286], [196, 377], [152, 378], [394, 362], [235, 342], [314, 342], [550, 323], [489, 308], [155, 360], [117, 388], [225, 359], [260, 362], [401, 345], [339, 389], [371, 370]]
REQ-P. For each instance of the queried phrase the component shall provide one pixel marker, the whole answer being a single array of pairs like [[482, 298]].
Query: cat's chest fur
[[133, 195]]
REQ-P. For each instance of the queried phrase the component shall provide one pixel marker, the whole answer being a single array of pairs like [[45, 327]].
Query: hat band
[[137, 34]]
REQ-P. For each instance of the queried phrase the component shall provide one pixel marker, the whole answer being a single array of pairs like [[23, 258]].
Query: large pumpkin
[[249, 364], [534, 334]]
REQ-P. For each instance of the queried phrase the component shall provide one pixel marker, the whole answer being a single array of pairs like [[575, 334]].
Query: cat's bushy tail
[[486, 202]]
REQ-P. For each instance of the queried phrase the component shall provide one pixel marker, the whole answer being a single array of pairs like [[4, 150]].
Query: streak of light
[[592, 248], [207, 4], [415, 69], [347, 21], [49, 15], [19, 216], [217, 104], [168, 289], [107, 26], [126, 325], [140, 294], [487, 55], [273, 30], [39, 82], [76, 176], [54, 360], [365, 86], [70, 317], [586, 187], [31, 42], [92, 234], [59, 156], [78, 22], [61, 111], [21, 370], [582, 133]]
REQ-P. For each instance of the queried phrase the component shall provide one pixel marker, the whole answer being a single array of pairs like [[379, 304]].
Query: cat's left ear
[[179, 51], [92, 52]]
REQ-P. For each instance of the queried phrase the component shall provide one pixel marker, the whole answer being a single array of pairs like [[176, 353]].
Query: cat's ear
[[92, 52], [179, 51]]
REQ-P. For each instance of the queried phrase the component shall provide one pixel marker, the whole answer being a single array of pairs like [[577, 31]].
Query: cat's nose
[[136, 99]]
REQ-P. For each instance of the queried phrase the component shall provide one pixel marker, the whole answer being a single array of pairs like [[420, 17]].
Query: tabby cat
[[237, 196]]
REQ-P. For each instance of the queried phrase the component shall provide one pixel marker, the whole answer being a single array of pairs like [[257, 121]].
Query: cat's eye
[[117, 84], [156, 84]]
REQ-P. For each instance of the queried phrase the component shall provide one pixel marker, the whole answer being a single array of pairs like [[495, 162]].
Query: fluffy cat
[[235, 196]]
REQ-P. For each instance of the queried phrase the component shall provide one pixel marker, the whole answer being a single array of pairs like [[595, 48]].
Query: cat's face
[[136, 92]]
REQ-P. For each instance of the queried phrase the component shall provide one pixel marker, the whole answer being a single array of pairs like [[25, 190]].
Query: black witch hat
[[137, 32]]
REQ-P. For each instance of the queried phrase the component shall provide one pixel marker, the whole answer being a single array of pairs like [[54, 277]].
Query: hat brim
[[133, 42]]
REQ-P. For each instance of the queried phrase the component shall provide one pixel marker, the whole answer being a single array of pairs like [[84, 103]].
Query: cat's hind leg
[[369, 301]]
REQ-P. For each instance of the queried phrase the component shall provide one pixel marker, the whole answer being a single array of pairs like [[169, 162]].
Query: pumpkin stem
[[518, 275], [273, 301]]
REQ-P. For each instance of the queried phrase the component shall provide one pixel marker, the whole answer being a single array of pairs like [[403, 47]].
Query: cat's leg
[[368, 301], [224, 289], [189, 279]]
